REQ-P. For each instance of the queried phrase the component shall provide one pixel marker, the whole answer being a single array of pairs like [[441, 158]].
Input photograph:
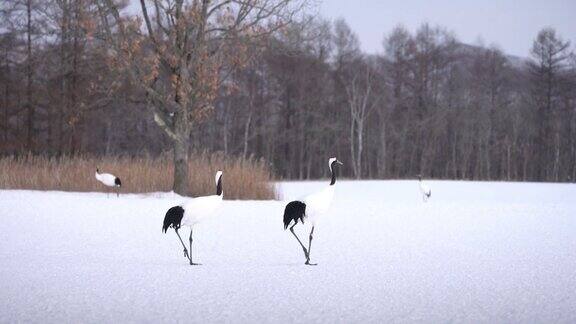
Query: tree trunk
[[360, 147], [352, 144], [181, 166], [29, 106], [383, 151], [247, 133], [64, 84], [77, 127], [226, 127], [6, 96], [556, 168], [508, 159], [289, 136]]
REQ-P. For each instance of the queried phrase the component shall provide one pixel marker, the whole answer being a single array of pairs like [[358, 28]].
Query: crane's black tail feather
[[294, 211], [173, 218]]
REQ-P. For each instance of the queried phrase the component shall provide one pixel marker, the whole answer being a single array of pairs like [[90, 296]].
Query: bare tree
[[188, 44], [398, 49], [551, 56], [359, 93]]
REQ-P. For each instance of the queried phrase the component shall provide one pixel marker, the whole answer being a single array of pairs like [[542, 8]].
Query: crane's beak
[[339, 162]]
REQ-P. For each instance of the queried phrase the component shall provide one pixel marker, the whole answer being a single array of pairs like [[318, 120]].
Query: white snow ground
[[476, 252]]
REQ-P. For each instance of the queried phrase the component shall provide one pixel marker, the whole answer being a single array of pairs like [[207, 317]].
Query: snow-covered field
[[476, 252]]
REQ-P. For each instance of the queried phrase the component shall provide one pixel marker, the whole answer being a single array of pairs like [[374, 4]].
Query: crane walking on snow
[[311, 208], [193, 212], [109, 180]]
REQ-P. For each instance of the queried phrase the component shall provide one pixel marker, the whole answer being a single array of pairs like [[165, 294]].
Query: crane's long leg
[[192, 263], [310, 248], [302, 245], [185, 251]]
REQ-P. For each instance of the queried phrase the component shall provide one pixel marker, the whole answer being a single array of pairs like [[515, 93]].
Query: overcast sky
[[510, 24]]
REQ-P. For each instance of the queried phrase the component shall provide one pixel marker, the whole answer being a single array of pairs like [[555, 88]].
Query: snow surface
[[475, 252]]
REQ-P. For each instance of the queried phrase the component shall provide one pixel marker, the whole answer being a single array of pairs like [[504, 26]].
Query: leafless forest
[[264, 79]]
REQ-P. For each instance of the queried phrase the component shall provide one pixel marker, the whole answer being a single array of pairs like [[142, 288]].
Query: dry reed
[[243, 178]]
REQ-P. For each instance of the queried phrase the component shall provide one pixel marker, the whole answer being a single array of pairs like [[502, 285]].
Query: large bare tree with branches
[[183, 51]]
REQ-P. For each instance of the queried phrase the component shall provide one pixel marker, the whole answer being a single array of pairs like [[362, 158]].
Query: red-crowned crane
[[424, 189], [109, 180], [311, 209], [193, 212]]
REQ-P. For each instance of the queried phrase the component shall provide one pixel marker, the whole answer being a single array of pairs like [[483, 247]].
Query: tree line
[[186, 76]]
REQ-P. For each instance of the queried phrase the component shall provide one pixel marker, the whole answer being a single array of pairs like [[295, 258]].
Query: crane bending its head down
[[109, 180]]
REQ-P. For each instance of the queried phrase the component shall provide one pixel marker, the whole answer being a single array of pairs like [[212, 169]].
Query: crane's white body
[[199, 209], [425, 190], [318, 204], [107, 179]]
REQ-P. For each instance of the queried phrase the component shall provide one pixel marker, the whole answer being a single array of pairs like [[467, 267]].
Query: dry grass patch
[[243, 178]]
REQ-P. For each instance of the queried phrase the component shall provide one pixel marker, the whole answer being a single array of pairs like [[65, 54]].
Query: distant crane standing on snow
[[311, 208], [193, 212], [424, 189], [109, 180]]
